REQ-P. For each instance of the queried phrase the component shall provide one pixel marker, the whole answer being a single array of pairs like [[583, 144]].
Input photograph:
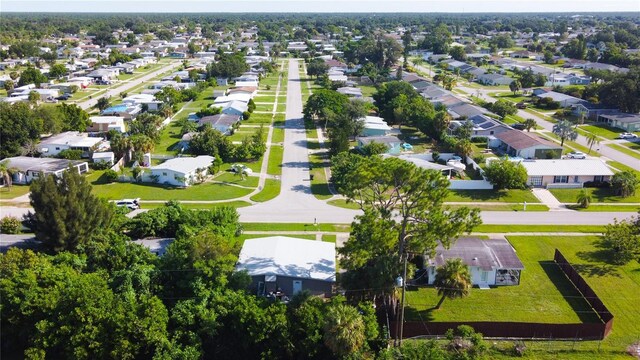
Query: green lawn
[[502, 229], [602, 130], [623, 167], [275, 160], [191, 206], [148, 191], [170, 136], [599, 195], [617, 286], [271, 190], [277, 136], [505, 207], [232, 178], [329, 238], [264, 107], [319, 184], [544, 294], [509, 196], [259, 119], [296, 227], [344, 204], [608, 208], [270, 98], [13, 192]]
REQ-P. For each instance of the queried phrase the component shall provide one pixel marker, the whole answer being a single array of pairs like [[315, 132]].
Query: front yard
[[506, 196], [599, 195]]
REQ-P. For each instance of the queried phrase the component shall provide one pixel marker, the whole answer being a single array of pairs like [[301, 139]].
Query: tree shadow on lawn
[[569, 292], [413, 314], [599, 262], [476, 195]]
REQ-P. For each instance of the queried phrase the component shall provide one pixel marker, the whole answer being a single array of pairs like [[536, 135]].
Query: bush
[[111, 175], [100, 165], [10, 225], [479, 139], [597, 184], [246, 115], [70, 154]]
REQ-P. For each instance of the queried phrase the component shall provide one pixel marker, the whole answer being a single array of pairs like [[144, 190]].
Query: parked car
[[518, 126], [131, 204], [627, 136], [240, 168], [521, 105], [64, 97], [577, 155]]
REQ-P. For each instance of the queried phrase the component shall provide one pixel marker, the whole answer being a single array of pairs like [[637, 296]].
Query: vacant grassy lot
[[544, 294], [599, 195], [271, 190], [508, 196], [13, 192]]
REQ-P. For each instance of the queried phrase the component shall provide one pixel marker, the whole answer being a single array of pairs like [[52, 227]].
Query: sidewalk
[[546, 197]]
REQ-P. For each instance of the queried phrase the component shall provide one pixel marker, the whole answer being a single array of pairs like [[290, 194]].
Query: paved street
[[128, 85], [295, 203]]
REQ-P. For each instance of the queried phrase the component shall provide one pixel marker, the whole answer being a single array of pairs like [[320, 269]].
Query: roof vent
[[475, 259]]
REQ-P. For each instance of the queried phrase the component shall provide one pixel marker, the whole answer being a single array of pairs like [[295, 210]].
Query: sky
[[328, 6]]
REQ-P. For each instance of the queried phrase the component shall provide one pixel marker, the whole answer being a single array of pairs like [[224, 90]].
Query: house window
[[561, 179], [57, 148], [536, 181], [598, 178], [576, 179], [164, 174]]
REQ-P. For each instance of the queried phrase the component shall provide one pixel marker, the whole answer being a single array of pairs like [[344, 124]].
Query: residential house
[[351, 91], [103, 74], [45, 94], [29, 168], [465, 111], [235, 107], [591, 111], [105, 157], [564, 99], [284, 266], [492, 262], [102, 124], [375, 126], [182, 171], [494, 79], [421, 161], [566, 172], [221, 122], [252, 91], [625, 121], [143, 100], [128, 112], [525, 145], [392, 142], [483, 126], [70, 140]]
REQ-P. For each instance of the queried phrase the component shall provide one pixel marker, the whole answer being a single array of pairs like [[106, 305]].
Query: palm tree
[[591, 140], [625, 183], [167, 111], [584, 199], [453, 280], [529, 124], [564, 129], [448, 82], [515, 86], [6, 174], [464, 148], [344, 330]]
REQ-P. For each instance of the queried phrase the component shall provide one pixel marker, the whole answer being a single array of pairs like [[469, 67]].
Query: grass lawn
[[617, 286], [599, 195], [169, 137], [319, 184], [544, 294], [624, 150], [344, 204], [296, 227], [602, 130], [148, 191], [265, 98], [275, 160], [505, 207], [631, 145], [235, 204], [623, 167], [271, 190], [232, 178], [509, 196], [277, 136], [13, 192], [259, 119], [503, 229], [609, 208], [329, 238], [264, 107]]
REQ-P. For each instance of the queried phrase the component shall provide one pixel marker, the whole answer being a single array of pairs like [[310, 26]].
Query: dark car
[[521, 105], [64, 97], [518, 126]]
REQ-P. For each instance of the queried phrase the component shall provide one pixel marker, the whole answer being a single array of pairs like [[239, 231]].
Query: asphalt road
[[128, 85], [295, 203]]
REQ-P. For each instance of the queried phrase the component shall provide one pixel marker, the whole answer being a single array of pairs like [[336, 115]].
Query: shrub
[[100, 165], [111, 175], [246, 115], [10, 225], [70, 154]]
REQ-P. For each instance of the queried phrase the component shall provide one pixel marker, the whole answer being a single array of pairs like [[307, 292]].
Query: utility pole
[[404, 289]]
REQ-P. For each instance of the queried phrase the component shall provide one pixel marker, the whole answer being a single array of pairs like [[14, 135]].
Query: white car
[[627, 136], [240, 168], [131, 204], [576, 155]]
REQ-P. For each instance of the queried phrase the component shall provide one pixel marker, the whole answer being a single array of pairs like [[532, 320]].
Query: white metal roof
[[287, 256], [72, 138], [185, 165], [568, 167]]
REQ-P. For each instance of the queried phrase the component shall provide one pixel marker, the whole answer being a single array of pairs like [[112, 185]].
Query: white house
[[566, 173], [285, 266], [182, 171], [30, 168], [491, 262], [105, 123], [70, 140], [235, 107]]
